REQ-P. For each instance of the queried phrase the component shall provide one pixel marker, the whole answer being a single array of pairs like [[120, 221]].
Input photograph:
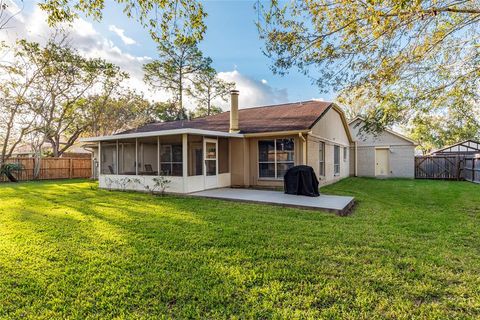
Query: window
[[321, 156], [336, 160], [275, 157], [171, 160], [345, 154]]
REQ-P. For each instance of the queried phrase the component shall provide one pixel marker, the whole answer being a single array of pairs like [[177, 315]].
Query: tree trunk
[[36, 167]]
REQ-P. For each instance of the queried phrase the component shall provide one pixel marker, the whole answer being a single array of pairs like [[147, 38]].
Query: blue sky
[[231, 41]]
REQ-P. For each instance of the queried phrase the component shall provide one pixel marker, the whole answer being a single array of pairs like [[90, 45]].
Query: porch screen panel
[[109, 158], [223, 156], [126, 152], [147, 158], [171, 160], [195, 155]]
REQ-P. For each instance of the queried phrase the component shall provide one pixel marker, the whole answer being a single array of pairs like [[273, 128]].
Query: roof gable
[[354, 125]]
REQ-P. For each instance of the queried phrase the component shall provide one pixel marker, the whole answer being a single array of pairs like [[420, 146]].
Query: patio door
[[210, 160]]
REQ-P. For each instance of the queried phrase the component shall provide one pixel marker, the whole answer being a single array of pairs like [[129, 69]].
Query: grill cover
[[301, 180]]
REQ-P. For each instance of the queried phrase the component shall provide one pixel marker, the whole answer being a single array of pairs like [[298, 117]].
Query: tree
[[206, 88], [178, 63], [163, 18], [168, 111], [433, 131], [58, 95], [201, 112], [407, 55], [125, 110], [16, 111]]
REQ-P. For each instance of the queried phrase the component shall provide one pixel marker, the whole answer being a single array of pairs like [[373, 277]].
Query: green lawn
[[410, 250]]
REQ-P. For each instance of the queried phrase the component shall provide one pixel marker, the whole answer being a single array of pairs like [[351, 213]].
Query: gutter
[[275, 133], [163, 133]]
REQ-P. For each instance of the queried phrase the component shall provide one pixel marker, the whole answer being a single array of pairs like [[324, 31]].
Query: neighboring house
[[75, 151], [385, 154], [243, 148], [464, 148]]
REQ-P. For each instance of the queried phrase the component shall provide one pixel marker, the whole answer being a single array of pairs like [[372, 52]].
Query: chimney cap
[[234, 91]]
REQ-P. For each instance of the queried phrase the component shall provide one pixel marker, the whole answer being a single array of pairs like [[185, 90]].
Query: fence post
[[473, 168], [70, 169], [458, 168]]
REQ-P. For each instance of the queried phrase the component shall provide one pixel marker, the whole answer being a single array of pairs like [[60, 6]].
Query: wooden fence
[[52, 168], [472, 169], [439, 167]]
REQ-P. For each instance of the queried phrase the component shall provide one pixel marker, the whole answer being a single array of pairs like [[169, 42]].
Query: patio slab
[[341, 205]]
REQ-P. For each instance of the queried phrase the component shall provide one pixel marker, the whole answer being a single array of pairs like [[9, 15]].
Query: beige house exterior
[[251, 147], [386, 154]]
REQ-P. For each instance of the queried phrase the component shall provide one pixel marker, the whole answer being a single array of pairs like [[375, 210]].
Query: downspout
[[356, 158], [304, 148]]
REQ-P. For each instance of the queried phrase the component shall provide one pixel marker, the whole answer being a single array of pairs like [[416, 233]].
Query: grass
[[410, 250]]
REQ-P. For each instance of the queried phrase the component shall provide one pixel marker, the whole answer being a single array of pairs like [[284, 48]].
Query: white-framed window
[[336, 160], [321, 157], [275, 157], [171, 160], [345, 154]]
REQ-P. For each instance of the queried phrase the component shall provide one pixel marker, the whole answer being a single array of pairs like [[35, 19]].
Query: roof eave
[[162, 133]]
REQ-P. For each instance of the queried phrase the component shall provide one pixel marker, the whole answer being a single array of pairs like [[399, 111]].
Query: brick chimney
[[234, 111]]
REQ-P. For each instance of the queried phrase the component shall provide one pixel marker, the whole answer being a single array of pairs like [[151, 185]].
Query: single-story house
[[384, 154], [461, 149], [251, 147]]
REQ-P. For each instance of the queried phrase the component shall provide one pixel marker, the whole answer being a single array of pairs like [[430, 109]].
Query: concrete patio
[[341, 205]]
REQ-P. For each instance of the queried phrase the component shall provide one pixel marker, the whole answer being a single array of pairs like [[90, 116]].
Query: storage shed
[[385, 154]]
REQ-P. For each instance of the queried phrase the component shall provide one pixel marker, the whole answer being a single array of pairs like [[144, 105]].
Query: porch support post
[[158, 155], [136, 156], [117, 159], [185, 161], [99, 158]]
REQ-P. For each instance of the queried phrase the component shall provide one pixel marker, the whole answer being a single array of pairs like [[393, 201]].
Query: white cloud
[[90, 43], [121, 34], [254, 92]]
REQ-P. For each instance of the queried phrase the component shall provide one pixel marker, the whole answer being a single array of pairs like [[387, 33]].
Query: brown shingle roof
[[283, 117]]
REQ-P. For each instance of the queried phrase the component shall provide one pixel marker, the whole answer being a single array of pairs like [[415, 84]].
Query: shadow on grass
[[77, 252]]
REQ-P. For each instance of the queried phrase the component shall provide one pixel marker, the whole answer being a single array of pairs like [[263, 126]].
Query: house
[[464, 148], [251, 147], [385, 154], [25, 150]]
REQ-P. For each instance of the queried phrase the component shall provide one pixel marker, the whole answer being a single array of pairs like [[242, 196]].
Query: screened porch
[[190, 162]]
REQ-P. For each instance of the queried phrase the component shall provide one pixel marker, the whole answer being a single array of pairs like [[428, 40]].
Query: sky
[[231, 40]]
